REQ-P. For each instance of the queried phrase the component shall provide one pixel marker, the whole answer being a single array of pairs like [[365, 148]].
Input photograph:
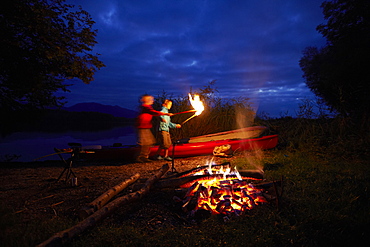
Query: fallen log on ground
[[99, 202], [62, 237]]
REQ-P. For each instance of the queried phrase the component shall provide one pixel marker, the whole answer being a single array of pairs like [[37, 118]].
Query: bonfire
[[221, 189]]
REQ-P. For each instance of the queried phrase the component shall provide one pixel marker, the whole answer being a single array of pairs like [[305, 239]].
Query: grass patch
[[326, 172]]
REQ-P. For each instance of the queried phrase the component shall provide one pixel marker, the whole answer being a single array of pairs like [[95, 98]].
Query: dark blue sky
[[250, 47]]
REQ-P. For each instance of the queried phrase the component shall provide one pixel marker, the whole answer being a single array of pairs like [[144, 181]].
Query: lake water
[[32, 145]]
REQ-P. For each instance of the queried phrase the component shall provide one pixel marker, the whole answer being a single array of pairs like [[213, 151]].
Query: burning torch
[[196, 104], [177, 113]]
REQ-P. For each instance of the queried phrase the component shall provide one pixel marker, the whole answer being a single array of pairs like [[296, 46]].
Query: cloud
[[155, 45]]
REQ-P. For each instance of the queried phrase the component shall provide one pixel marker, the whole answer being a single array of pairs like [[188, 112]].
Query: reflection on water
[[32, 145]]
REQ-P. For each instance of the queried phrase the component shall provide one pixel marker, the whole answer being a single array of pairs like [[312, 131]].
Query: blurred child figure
[[144, 124], [164, 131]]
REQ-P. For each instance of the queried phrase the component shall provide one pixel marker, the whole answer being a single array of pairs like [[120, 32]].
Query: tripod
[[173, 169], [67, 163]]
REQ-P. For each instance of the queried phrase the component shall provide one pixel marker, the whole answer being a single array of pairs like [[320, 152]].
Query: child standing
[[164, 131], [144, 124]]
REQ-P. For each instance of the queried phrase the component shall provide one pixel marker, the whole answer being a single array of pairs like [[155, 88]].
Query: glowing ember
[[226, 194], [197, 104]]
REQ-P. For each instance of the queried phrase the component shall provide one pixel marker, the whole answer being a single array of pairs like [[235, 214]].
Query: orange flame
[[197, 104], [226, 195]]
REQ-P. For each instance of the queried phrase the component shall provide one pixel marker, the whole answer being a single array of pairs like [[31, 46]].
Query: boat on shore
[[250, 138]]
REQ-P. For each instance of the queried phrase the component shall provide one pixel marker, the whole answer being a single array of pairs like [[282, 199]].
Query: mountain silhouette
[[116, 110]]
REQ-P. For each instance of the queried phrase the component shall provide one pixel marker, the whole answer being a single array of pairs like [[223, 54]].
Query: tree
[[338, 73], [43, 43]]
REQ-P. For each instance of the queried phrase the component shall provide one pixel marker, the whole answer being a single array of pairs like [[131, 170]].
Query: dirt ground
[[32, 191]]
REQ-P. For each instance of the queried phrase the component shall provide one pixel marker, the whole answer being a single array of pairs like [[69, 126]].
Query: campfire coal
[[221, 190]]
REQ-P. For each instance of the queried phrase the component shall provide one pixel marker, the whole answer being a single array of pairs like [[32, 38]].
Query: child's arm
[[174, 125]]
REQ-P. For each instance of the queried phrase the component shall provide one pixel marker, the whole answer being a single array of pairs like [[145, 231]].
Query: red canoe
[[250, 138]]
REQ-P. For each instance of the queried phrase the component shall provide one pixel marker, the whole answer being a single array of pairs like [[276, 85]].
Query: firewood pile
[[101, 208]]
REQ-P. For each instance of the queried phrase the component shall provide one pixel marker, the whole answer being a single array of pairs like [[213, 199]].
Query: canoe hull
[[183, 149]]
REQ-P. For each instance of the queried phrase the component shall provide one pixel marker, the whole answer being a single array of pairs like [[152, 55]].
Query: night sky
[[250, 47]]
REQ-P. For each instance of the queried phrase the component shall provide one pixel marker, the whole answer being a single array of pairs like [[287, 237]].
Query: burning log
[[198, 169], [99, 202], [192, 190], [174, 183], [185, 182], [62, 237], [252, 174]]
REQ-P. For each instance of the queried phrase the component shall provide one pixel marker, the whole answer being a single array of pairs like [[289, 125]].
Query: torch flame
[[197, 104]]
